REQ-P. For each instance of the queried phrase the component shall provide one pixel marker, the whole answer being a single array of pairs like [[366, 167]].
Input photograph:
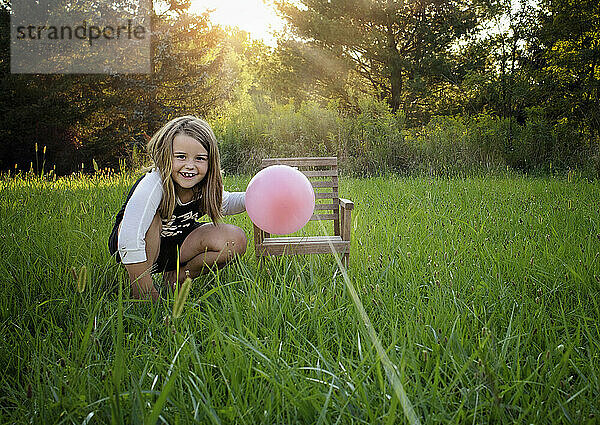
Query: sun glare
[[253, 16]]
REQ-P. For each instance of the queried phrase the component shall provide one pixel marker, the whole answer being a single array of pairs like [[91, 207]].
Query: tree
[[401, 48], [81, 117], [42, 111], [566, 62], [187, 75], [499, 82]]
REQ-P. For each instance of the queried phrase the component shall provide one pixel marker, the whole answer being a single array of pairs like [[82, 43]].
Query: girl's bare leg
[[207, 246], [140, 273]]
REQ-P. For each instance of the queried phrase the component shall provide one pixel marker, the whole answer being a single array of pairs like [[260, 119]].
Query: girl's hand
[[142, 286]]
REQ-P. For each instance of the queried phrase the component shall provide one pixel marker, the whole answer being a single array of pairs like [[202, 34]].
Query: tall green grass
[[482, 291]]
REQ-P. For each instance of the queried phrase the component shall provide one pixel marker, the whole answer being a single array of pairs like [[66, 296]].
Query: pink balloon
[[280, 200]]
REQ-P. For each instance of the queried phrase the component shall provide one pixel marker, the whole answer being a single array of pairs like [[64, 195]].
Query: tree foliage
[[531, 70], [82, 117], [566, 61], [401, 48]]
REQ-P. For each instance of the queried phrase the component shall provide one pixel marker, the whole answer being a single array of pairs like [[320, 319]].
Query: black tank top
[[184, 215]]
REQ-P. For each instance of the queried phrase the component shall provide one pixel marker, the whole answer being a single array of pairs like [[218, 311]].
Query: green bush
[[240, 134], [374, 140]]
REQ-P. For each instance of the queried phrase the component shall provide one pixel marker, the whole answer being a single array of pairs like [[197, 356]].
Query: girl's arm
[[233, 203], [139, 213], [134, 243]]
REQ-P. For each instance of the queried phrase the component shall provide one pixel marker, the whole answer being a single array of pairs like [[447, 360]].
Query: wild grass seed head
[[82, 279], [184, 291]]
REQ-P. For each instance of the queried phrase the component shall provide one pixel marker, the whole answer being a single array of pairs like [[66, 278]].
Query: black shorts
[[167, 256]]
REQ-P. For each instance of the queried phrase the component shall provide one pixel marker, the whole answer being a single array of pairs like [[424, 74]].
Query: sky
[[253, 16]]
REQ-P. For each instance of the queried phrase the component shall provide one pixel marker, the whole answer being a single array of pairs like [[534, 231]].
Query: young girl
[[160, 214]]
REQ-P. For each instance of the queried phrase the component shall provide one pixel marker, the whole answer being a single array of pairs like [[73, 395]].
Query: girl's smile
[[190, 165]]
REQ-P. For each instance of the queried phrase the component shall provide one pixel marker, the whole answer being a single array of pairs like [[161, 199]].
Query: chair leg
[[259, 236]]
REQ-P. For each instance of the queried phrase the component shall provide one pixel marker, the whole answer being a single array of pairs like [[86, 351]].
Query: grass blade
[[162, 399]]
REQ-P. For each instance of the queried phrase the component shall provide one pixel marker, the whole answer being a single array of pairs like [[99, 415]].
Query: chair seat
[[303, 245]]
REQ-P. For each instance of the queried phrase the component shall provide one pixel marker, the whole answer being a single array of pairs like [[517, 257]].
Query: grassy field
[[483, 291]]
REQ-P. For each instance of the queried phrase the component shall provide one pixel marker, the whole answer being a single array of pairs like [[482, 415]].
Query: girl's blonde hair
[[160, 149]]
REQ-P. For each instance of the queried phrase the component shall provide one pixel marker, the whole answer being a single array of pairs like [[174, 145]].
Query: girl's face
[[190, 164]]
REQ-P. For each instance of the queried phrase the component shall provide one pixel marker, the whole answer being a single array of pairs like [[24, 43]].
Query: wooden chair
[[323, 175]]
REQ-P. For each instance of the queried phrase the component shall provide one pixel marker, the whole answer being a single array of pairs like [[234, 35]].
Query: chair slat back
[[301, 162], [323, 175]]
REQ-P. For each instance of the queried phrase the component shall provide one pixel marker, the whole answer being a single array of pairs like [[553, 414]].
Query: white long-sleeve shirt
[[141, 209]]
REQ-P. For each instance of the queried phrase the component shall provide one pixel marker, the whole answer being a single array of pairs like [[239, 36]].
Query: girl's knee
[[242, 242], [237, 240]]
